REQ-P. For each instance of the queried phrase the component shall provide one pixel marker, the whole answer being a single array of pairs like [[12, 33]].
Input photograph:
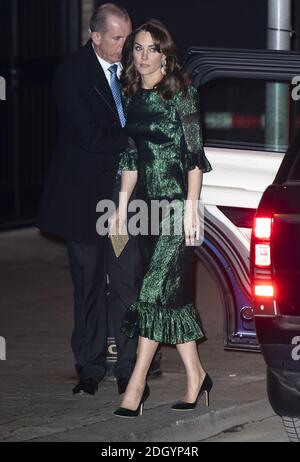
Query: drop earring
[[163, 68]]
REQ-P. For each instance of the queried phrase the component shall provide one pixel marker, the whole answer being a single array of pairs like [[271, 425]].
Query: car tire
[[292, 428]]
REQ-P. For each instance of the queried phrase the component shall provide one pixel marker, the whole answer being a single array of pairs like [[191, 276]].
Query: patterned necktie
[[115, 89]]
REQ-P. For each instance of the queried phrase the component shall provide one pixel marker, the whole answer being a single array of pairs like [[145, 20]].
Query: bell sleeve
[[193, 152]]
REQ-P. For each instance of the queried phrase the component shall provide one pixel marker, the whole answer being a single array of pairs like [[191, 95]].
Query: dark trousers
[[125, 278], [89, 266], [88, 272]]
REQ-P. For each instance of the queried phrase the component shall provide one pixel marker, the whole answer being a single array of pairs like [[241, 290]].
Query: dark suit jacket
[[84, 163]]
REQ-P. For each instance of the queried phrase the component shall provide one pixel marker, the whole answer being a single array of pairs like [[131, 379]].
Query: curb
[[162, 425], [203, 426]]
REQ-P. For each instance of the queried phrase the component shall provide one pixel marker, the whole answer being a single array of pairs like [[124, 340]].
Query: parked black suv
[[275, 274]]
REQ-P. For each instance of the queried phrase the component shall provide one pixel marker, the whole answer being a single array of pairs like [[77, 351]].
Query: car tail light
[[261, 258], [264, 290], [262, 227], [262, 255]]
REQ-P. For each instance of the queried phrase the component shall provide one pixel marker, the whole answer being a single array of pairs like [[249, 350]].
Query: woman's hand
[[191, 223], [117, 223]]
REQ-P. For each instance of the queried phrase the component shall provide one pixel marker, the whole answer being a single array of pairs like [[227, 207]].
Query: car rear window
[[248, 114]]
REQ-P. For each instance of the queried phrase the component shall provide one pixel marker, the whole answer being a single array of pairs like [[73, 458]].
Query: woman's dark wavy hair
[[174, 81]]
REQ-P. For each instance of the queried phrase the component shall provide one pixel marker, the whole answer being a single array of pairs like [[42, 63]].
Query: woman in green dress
[[165, 159]]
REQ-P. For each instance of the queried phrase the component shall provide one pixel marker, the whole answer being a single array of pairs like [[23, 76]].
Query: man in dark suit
[[83, 172]]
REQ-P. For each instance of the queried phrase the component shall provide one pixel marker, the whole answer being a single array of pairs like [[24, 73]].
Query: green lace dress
[[164, 144]]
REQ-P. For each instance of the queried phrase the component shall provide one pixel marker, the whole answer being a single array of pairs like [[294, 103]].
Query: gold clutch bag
[[118, 241]]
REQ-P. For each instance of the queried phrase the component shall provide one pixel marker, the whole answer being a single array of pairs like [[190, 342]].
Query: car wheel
[[292, 427]]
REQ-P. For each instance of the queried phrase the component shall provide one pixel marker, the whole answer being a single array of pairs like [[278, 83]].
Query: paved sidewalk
[[36, 403]]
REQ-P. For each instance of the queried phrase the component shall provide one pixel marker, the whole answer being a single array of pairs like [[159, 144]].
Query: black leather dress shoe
[[122, 385], [78, 388], [88, 386]]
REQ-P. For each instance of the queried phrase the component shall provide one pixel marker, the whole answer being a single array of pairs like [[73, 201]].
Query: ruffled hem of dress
[[171, 326], [198, 159]]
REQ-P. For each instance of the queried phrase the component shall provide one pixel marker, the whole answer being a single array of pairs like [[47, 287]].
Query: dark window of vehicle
[[248, 114], [241, 217]]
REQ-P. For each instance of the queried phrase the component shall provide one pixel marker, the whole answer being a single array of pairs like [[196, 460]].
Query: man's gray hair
[[98, 21]]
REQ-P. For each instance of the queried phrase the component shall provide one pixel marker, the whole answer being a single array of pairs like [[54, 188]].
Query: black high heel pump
[[205, 389], [128, 413]]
